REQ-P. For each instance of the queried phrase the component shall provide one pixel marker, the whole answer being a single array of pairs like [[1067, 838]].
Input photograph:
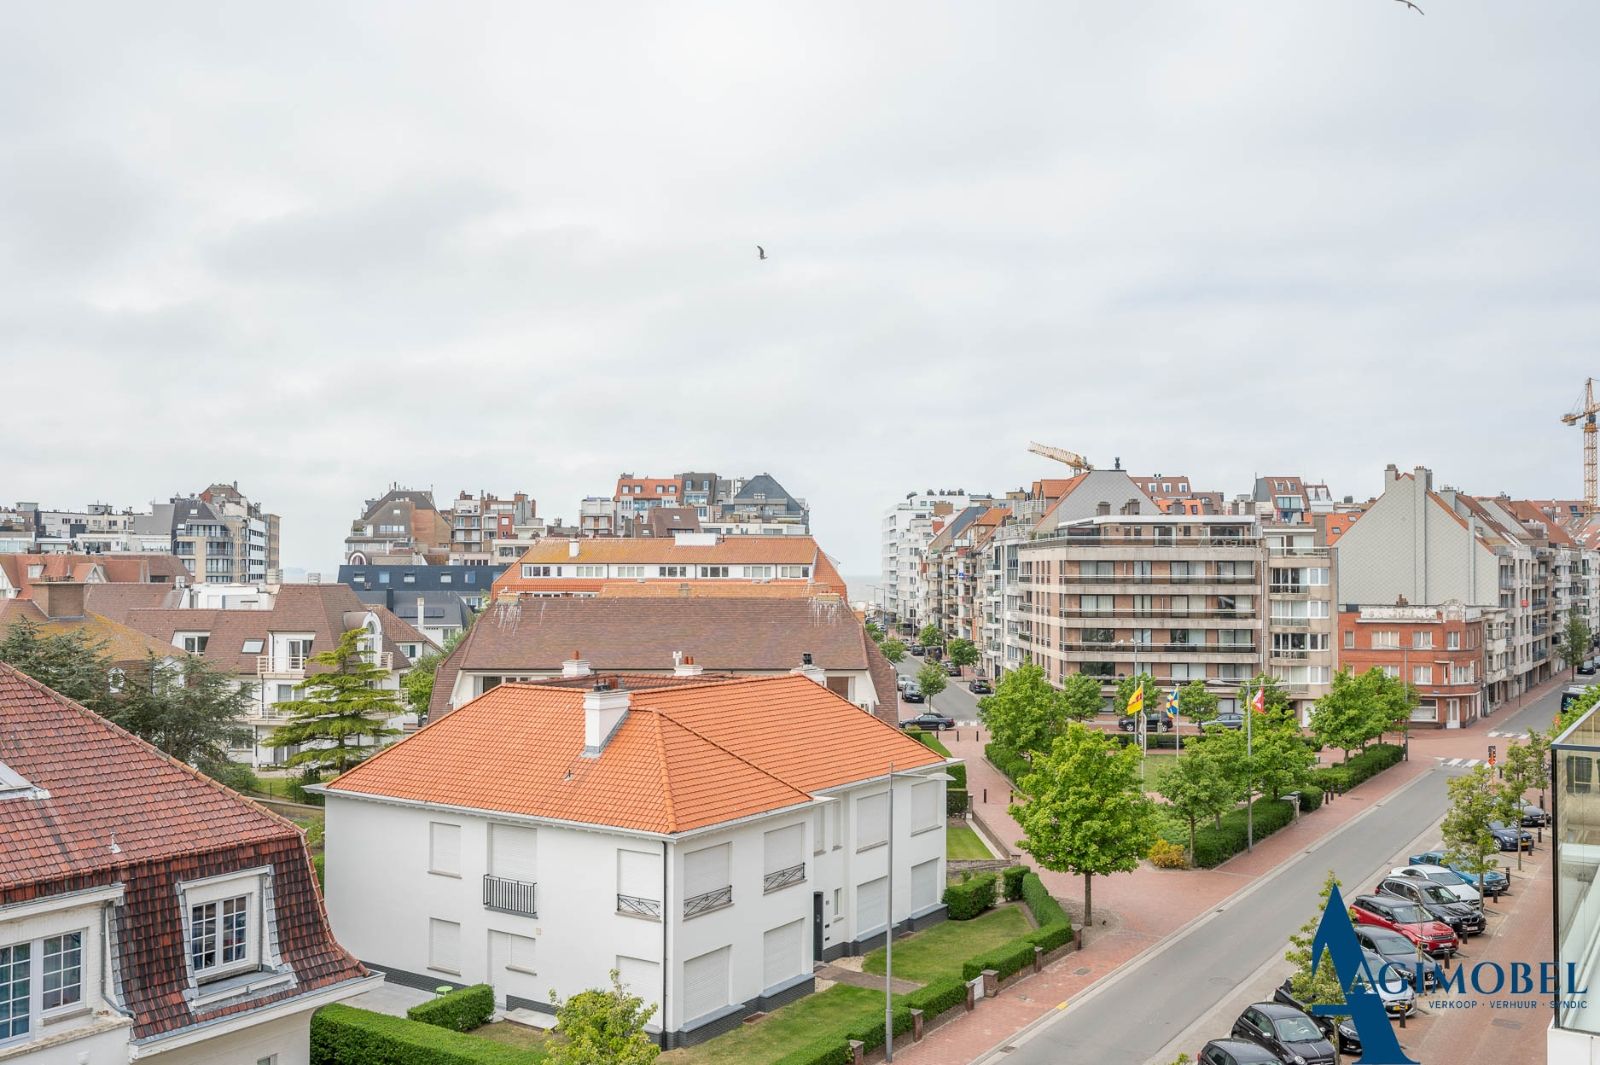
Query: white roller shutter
[[781, 954], [872, 820], [512, 852], [640, 977], [870, 905], [925, 884], [444, 848], [705, 984], [705, 870], [639, 874], [925, 813], [444, 945], [784, 847]]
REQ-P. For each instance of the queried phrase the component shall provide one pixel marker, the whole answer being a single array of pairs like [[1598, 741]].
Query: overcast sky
[[318, 248]]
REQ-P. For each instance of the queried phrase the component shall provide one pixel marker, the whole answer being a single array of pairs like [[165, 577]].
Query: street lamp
[[888, 928]]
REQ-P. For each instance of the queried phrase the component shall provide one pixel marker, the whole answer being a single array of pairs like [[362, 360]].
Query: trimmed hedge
[[1213, 846], [1009, 762], [1006, 959], [1310, 799], [345, 1035], [1360, 768], [1045, 909], [937, 996], [461, 1010], [835, 1050], [1012, 881], [970, 898], [957, 802]]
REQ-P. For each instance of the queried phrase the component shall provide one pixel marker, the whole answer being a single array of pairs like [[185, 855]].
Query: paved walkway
[[1135, 911], [836, 974]]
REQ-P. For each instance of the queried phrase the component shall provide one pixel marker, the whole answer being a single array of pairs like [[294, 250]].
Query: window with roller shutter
[[870, 899], [781, 948], [925, 885], [444, 945], [872, 821], [513, 852], [705, 984], [641, 977], [639, 884], [926, 814], [444, 848], [783, 855], [707, 883]]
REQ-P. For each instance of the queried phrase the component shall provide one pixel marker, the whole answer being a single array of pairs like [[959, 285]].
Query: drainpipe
[[665, 910]]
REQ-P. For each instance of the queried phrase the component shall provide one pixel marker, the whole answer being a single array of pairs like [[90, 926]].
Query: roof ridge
[[667, 714]]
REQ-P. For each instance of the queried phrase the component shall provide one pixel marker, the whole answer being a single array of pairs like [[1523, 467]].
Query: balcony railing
[[1154, 578], [1071, 540], [1298, 552], [707, 901], [782, 878], [1118, 649], [1161, 612], [634, 906], [284, 666], [509, 896]]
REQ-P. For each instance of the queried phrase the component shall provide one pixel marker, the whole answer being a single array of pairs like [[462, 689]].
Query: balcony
[[290, 667], [1121, 649], [509, 896], [706, 901], [1290, 654], [779, 879], [1163, 612], [1156, 578], [1288, 589], [634, 906], [1298, 552]]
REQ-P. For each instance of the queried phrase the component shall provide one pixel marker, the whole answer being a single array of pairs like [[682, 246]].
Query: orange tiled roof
[[684, 757]]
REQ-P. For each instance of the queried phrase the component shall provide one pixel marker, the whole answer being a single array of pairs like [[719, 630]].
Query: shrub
[[1045, 909], [970, 898], [1005, 959], [345, 1035], [460, 1011], [1310, 798], [296, 789], [937, 996], [1012, 881], [957, 802], [1164, 855], [1213, 846], [1051, 936], [1009, 762], [319, 862], [1360, 768]]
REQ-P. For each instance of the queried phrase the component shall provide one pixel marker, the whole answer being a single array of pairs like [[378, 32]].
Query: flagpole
[[1250, 778]]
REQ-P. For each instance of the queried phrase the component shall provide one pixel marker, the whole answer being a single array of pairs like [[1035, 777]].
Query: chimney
[[810, 670], [422, 615], [576, 666], [1391, 474], [604, 710], [59, 599], [1102, 509], [685, 667], [1424, 475], [572, 549]]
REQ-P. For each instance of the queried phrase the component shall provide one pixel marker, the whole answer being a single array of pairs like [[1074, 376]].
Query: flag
[[1259, 703], [1136, 700], [1172, 704]]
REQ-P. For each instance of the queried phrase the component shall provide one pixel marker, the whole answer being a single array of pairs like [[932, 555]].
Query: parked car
[[1407, 918], [905, 681], [1154, 721], [1349, 1040], [1392, 985], [913, 693], [1397, 951], [1494, 881], [1463, 918], [931, 720], [1461, 889], [1225, 720], [1534, 816], [1587, 668], [952, 670], [917, 650], [1509, 838], [979, 686], [1236, 1052], [936, 654], [1291, 1036]]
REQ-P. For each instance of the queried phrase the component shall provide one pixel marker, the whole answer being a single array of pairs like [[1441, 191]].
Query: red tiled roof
[[728, 550], [120, 811], [123, 644], [683, 758]]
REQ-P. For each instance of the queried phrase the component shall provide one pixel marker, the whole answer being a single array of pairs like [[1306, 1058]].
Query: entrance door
[[816, 926]]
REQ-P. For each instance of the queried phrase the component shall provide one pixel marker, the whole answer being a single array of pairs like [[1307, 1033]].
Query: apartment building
[[757, 506], [955, 562], [1439, 650], [401, 525], [438, 601], [146, 912], [906, 531], [1291, 500], [543, 835]]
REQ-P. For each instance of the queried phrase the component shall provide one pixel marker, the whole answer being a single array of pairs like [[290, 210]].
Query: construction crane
[[1585, 414], [1078, 463]]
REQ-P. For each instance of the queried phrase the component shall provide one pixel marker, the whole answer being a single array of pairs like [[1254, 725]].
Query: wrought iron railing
[[782, 878], [634, 906], [509, 896], [705, 902]]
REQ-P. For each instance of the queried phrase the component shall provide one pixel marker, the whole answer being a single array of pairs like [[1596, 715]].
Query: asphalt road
[[1142, 1008], [955, 700]]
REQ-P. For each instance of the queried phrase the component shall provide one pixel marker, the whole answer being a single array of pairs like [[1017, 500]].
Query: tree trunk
[[1191, 840], [1088, 899]]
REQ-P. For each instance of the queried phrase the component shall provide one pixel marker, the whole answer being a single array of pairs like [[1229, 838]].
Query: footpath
[[1135, 912]]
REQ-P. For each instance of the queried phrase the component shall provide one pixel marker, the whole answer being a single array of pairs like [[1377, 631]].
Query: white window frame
[[219, 890], [442, 835]]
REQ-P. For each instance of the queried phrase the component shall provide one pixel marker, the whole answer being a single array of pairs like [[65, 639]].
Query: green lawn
[[940, 950], [838, 1009], [963, 842], [515, 1035], [1156, 768], [931, 741]]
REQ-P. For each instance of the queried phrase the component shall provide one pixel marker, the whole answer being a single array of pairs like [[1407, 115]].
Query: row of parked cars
[[1421, 912]]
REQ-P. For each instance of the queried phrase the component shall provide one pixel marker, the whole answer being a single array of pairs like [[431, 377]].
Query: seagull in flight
[[1412, 6], [761, 252]]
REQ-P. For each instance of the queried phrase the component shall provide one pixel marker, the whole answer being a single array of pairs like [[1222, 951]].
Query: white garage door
[[705, 983], [925, 884], [781, 959], [869, 906]]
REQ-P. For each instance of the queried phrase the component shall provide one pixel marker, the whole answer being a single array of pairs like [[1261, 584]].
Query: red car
[[1407, 918]]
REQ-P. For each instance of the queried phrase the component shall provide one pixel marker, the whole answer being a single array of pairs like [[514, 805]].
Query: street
[[1131, 1017]]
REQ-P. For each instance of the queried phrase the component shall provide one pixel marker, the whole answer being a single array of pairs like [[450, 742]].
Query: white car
[[1449, 879]]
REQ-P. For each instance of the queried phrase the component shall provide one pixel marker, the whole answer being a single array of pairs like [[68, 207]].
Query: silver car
[[1453, 882]]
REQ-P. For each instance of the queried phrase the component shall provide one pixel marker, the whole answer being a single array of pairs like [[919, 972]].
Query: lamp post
[[888, 927]]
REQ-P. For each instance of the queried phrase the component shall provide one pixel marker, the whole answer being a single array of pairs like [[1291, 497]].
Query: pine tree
[[343, 715]]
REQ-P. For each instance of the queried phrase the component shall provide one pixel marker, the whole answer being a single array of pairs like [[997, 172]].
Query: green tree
[[190, 710], [341, 711], [1277, 708], [932, 680], [1360, 708], [69, 663], [1197, 702], [893, 650], [602, 1026], [1025, 713], [930, 636], [1519, 771], [1282, 762], [1323, 988], [1199, 785], [1576, 639], [1087, 813], [962, 652], [1125, 687], [875, 632], [1474, 802], [1080, 697], [1539, 763]]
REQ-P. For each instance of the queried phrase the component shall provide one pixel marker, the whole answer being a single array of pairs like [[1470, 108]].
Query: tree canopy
[[1025, 713], [932, 680], [343, 713], [1359, 708], [1080, 697], [602, 1026], [962, 652], [893, 650], [1474, 802], [1199, 785], [930, 636]]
